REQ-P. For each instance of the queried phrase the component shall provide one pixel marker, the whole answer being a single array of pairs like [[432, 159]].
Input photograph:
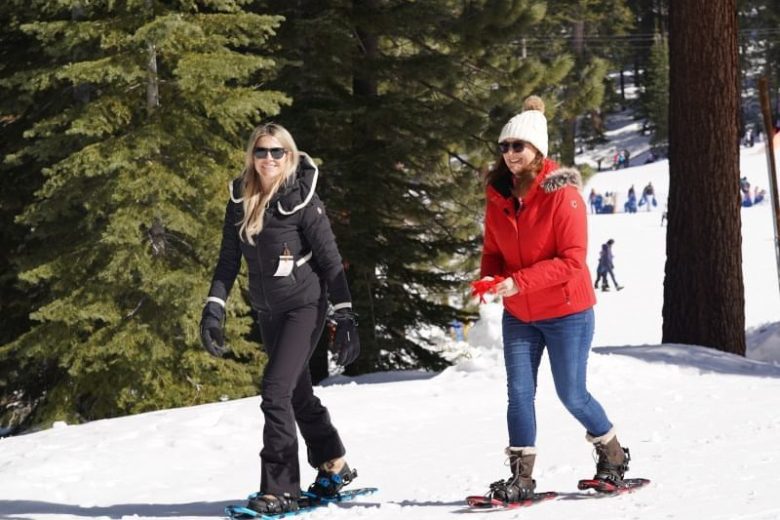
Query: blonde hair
[[255, 200]]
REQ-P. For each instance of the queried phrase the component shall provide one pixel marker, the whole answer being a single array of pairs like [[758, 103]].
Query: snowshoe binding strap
[[510, 490], [273, 504], [329, 484], [609, 472]]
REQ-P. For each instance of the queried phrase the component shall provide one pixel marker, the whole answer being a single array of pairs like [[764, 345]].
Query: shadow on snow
[[693, 356]]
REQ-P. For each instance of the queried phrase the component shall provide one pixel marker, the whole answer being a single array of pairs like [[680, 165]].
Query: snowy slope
[[704, 425]]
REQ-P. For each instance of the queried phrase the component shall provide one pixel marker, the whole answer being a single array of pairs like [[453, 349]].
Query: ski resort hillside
[[704, 426]]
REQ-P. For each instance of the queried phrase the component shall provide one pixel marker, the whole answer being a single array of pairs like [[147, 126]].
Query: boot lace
[[511, 488], [606, 470]]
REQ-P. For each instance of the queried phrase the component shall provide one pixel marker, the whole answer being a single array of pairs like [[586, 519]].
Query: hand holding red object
[[485, 285]]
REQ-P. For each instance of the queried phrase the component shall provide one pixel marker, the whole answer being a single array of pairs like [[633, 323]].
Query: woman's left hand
[[506, 288]]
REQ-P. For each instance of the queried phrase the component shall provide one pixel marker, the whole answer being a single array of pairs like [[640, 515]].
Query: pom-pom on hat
[[530, 125]]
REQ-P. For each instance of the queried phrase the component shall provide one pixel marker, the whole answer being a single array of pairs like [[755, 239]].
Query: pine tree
[[655, 97], [154, 102], [651, 18], [759, 56], [17, 50], [589, 28], [704, 297], [402, 103]]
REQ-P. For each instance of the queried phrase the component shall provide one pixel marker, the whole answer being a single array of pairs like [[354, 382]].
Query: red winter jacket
[[542, 245]]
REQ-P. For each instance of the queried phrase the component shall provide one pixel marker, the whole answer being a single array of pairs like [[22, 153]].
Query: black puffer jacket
[[295, 220]]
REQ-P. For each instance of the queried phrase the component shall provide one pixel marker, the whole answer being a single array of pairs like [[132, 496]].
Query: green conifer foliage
[[655, 97], [586, 30], [402, 102], [19, 183], [759, 53], [155, 100]]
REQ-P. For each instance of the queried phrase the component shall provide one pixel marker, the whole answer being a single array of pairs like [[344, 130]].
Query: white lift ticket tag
[[286, 264]]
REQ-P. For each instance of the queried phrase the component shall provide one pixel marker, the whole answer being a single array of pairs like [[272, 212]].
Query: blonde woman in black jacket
[[276, 221]]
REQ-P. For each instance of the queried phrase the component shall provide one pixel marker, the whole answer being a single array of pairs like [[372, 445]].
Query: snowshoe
[[328, 483]]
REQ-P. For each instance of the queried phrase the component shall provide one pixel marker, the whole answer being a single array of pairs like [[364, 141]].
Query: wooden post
[[766, 110]]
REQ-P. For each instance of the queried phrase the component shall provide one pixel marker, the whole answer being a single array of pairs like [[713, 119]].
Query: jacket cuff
[[214, 299], [338, 291], [219, 289]]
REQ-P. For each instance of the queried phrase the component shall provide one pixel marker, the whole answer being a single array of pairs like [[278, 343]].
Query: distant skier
[[648, 197], [630, 205], [606, 267]]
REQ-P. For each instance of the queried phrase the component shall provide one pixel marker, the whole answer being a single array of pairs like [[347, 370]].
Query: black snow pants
[[289, 339]]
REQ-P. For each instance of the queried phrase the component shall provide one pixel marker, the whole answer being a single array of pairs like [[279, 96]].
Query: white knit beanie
[[530, 125]]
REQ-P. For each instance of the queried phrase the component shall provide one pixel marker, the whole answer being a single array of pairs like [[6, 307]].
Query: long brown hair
[[501, 171], [255, 199]]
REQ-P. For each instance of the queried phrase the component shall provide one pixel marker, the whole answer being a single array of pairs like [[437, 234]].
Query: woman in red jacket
[[536, 237]]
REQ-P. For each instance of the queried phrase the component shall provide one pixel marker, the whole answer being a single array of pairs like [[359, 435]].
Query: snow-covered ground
[[703, 425]]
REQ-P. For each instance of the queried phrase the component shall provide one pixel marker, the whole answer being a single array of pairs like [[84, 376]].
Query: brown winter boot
[[521, 485], [613, 459], [331, 477]]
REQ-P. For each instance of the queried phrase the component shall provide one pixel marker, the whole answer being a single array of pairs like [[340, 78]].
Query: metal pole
[[766, 110]]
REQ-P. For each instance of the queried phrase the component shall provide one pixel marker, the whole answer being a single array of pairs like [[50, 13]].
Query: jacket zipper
[[260, 265]]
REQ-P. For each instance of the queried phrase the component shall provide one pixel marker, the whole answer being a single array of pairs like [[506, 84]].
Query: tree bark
[[365, 92], [704, 302], [152, 81]]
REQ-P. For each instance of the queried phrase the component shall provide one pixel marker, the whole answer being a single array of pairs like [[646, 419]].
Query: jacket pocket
[[566, 294]]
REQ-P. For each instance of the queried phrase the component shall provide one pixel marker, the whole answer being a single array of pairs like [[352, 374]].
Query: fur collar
[[561, 177]]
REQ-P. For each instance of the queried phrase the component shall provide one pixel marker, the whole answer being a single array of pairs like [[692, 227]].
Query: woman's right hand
[[211, 335], [506, 288]]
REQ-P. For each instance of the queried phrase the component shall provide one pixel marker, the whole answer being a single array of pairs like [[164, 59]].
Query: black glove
[[211, 335], [346, 342]]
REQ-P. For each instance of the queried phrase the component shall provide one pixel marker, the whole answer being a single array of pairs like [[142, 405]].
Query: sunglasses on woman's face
[[516, 146], [276, 153]]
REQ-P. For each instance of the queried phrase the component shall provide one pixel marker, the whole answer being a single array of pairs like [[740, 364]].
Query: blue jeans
[[568, 343]]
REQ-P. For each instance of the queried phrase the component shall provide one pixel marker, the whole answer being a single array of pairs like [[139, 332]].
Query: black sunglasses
[[516, 146], [276, 153]]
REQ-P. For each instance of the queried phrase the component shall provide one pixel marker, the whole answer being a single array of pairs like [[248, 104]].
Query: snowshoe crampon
[[307, 503], [607, 487], [487, 502]]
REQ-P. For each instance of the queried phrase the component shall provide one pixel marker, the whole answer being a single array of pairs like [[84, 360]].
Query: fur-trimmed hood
[[551, 179], [294, 195], [561, 177]]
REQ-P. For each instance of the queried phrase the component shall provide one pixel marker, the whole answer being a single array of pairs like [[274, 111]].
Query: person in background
[[758, 195], [277, 223], [592, 200], [744, 186], [630, 205], [606, 267], [536, 238], [648, 197]]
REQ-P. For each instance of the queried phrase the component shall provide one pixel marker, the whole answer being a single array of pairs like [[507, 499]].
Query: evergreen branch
[[137, 308], [461, 160]]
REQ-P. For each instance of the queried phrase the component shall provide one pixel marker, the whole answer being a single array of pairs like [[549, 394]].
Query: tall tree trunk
[[568, 134], [152, 81], [152, 85], [704, 301], [622, 88], [365, 93], [569, 125]]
